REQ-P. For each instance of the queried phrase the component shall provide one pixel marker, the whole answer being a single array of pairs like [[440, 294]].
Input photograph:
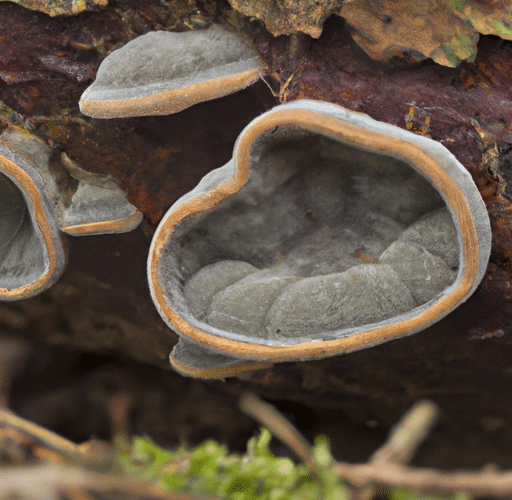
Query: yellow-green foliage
[[208, 469]]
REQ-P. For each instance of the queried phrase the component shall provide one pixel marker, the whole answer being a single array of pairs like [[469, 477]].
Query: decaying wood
[[102, 304]]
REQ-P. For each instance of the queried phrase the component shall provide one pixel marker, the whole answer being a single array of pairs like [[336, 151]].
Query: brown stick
[[485, 483], [46, 481], [279, 425], [383, 467], [49, 438], [408, 434]]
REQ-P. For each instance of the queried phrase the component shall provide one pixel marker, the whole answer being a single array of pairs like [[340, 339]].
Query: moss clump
[[209, 469]]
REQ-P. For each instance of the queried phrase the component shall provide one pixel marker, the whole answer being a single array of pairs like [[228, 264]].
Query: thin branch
[[38, 433], [76, 493], [48, 445], [46, 481], [484, 483], [408, 434], [383, 468], [279, 425], [118, 408], [403, 440]]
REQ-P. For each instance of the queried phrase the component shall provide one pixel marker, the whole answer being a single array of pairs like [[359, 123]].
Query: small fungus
[[162, 73], [98, 205], [34, 211], [328, 232]]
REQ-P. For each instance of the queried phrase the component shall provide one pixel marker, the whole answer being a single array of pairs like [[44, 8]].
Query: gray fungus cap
[[162, 73]]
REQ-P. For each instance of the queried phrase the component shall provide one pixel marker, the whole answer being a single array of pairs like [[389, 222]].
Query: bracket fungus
[[32, 255], [34, 211], [98, 206], [165, 72], [328, 232]]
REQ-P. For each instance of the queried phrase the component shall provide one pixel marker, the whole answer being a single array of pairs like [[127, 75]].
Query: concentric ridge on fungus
[[327, 232]]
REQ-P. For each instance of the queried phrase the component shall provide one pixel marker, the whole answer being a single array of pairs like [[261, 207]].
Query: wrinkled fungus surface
[[323, 236]]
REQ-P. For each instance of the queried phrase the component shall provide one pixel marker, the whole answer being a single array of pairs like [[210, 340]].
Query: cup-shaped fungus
[[34, 211], [164, 72], [31, 251], [327, 232]]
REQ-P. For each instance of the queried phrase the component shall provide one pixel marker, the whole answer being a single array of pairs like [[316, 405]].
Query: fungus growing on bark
[[34, 211], [98, 205], [162, 73], [328, 232], [32, 256]]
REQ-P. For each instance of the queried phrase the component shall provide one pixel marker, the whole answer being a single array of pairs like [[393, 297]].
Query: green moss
[[501, 28], [209, 469], [457, 4], [459, 48], [463, 47]]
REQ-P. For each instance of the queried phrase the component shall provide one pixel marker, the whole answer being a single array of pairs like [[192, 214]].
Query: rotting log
[[102, 302]]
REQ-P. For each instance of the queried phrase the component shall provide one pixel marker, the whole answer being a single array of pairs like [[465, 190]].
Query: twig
[[47, 445], [50, 439], [76, 493], [403, 440], [408, 434], [484, 483], [118, 408], [46, 481], [279, 425], [383, 468]]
